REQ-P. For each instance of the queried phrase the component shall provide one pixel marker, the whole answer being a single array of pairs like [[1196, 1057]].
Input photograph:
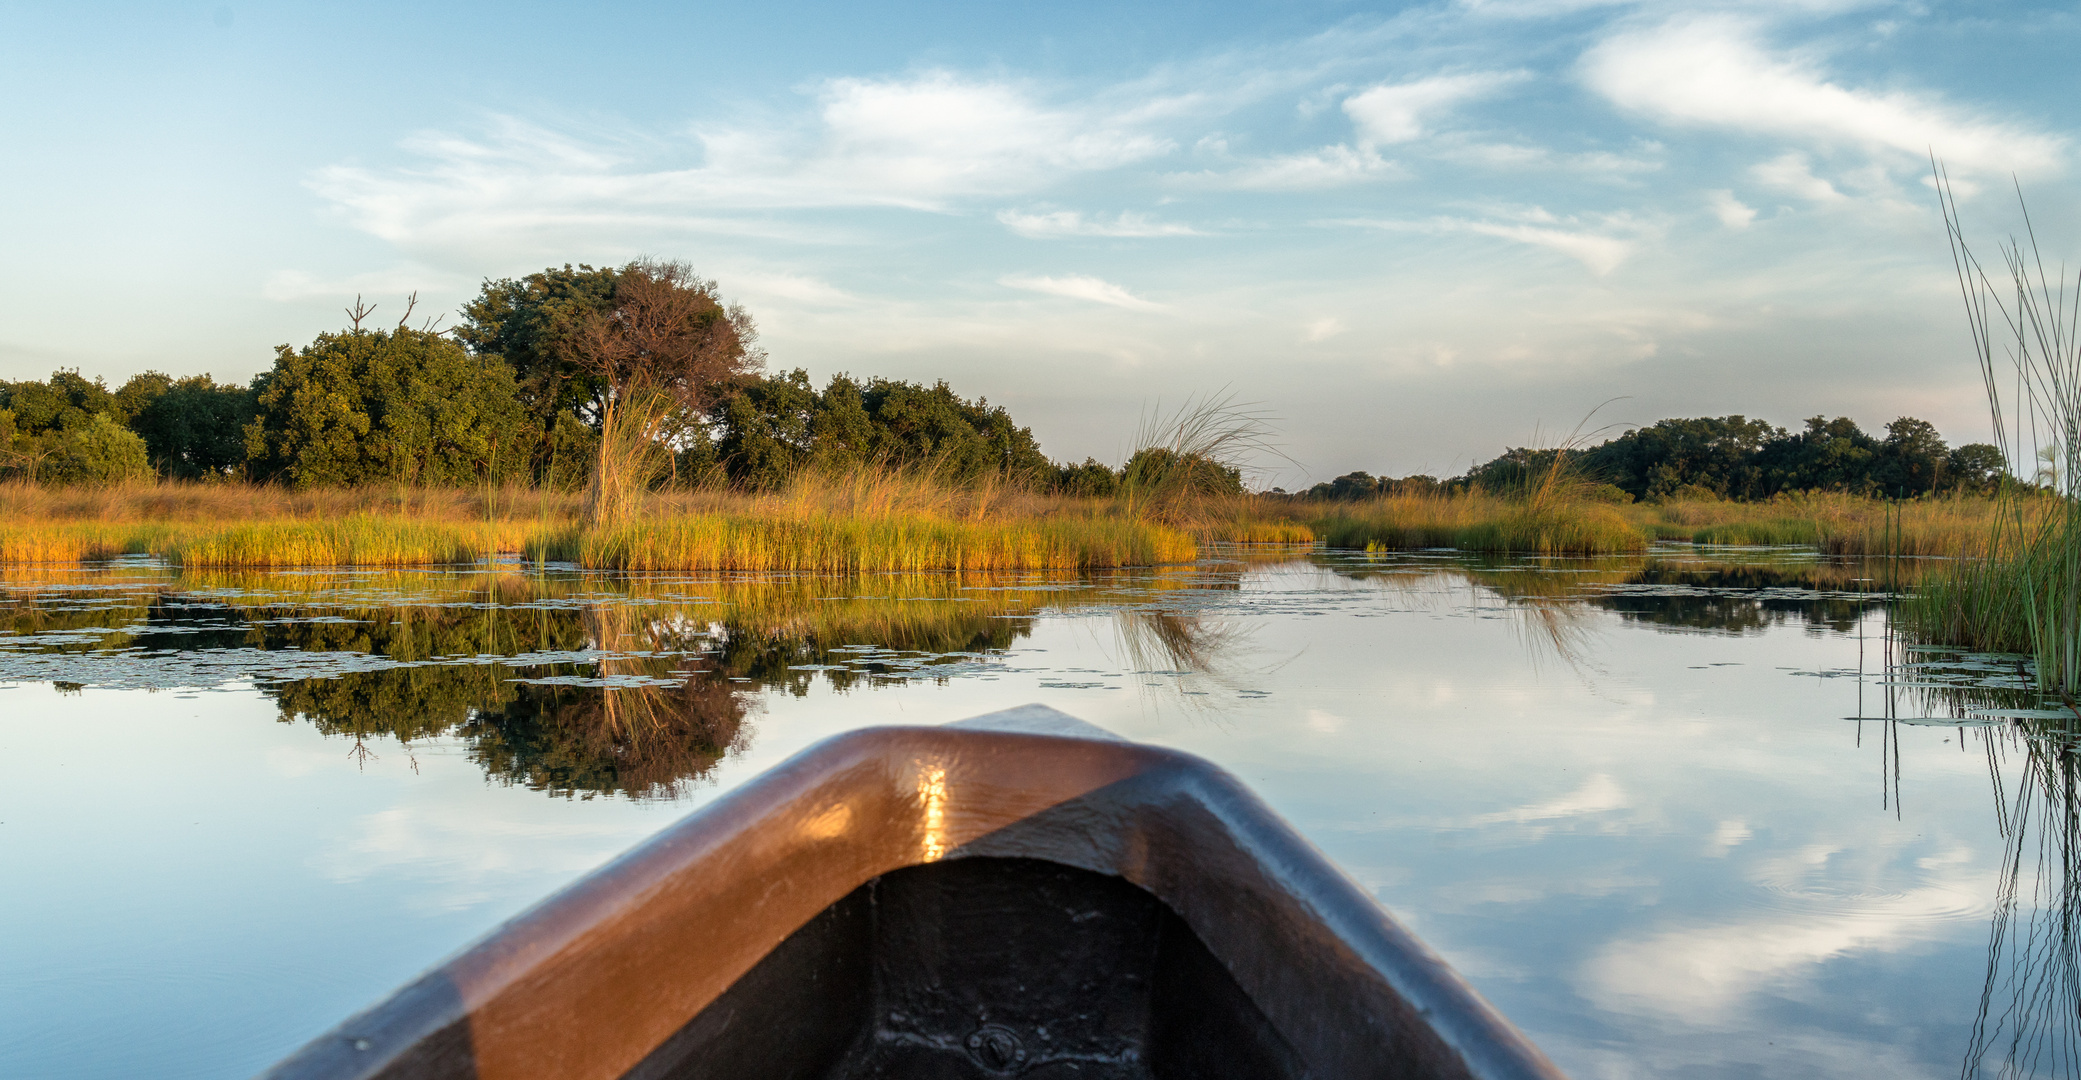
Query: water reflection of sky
[[1624, 799]]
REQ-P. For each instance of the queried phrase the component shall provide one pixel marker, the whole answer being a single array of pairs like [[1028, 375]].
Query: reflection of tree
[[2029, 1020], [641, 741], [1681, 593], [666, 700]]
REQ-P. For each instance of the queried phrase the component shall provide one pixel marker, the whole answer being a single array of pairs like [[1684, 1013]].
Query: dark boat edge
[[589, 981]]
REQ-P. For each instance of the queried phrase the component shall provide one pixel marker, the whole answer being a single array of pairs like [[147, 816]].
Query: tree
[[194, 428], [1911, 459], [1718, 453], [1974, 467], [1090, 480], [658, 360], [407, 406], [769, 428], [533, 323], [100, 451], [57, 431]]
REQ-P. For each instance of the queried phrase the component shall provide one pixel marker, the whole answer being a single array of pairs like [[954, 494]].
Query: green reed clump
[[358, 540], [890, 544], [2023, 591]]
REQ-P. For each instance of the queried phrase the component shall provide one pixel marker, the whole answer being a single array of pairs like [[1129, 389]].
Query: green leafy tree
[[1715, 453], [1911, 459], [535, 324], [771, 427], [135, 396], [195, 428], [404, 405], [101, 451], [1090, 480], [66, 430], [1974, 467]]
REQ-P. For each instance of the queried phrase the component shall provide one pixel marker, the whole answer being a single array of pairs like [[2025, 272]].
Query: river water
[[1693, 814]]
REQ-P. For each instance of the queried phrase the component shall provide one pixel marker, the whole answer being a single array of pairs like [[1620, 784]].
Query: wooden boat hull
[[975, 901]]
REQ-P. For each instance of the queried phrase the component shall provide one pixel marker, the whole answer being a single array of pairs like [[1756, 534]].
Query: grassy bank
[[1479, 522], [1838, 524], [867, 522], [851, 523]]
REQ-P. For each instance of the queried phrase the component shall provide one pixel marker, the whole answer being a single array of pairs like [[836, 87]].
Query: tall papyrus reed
[[2026, 334]]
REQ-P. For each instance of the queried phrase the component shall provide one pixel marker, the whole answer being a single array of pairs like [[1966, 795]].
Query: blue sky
[[1415, 234]]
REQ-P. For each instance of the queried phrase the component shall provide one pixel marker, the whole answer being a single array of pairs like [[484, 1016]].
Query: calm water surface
[[1632, 801]]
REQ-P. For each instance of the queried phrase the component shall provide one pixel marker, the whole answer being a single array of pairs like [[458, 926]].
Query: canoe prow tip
[[1037, 719]]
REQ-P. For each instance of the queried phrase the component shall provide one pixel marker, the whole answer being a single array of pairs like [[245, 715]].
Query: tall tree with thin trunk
[[662, 356]]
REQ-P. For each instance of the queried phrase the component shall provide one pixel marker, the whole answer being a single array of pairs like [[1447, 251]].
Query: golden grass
[[1838, 524], [857, 522], [1480, 522], [889, 544]]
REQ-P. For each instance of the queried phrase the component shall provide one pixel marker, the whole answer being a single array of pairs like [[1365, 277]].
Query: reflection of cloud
[[1712, 70], [1698, 974], [475, 856], [1597, 795]]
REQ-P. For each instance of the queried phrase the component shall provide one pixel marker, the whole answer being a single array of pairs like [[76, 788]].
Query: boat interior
[[979, 968]]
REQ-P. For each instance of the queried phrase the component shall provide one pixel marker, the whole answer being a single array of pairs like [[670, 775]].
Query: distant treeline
[[505, 396], [1730, 457]]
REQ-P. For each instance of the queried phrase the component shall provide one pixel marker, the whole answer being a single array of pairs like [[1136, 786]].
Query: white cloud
[[1790, 173], [1518, 156], [1731, 211], [1042, 226], [799, 288], [922, 142], [1599, 252], [1323, 329], [395, 283], [1712, 71], [1081, 287], [1331, 166], [1399, 112]]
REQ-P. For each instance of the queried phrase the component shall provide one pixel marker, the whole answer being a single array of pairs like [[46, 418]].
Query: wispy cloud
[[1401, 112], [1731, 211], [1503, 156], [1081, 287], [382, 286], [1051, 224], [1792, 174], [923, 142], [1600, 252], [1328, 167], [1714, 71]]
